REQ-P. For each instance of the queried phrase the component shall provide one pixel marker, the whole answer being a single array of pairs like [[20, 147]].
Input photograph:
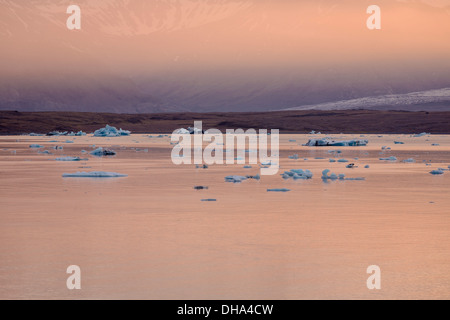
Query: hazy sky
[[176, 50]]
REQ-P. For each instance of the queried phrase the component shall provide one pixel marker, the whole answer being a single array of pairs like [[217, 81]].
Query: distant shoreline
[[330, 122]]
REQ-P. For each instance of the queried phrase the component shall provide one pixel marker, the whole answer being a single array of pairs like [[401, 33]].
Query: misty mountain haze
[[135, 56]]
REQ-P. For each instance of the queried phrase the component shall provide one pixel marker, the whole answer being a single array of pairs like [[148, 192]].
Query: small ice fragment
[[327, 142], [247, 167], [342, 160], [350, 165], [367, 166], [94, 174], [392, 158], [99, 152], [36, 146], [436, 172], [235, 179], [70, 159], [294, 157], [278, 190], [209, 200], [410, 160], [200, 188], [398, 142], [332, 160]]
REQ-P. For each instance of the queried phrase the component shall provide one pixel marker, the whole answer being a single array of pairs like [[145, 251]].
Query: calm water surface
[[149, 236]]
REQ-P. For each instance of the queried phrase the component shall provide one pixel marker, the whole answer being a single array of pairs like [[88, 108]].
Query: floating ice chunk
[[327, 142], [297, 174], [278, 190], [200, 188], [410, 160], [109, 131], [235, 179], [209, 200], [256, 177], [294, 157], [76, 134], [367, 166], [292, 140], [326, 175], [420, 135], [319, 158], [342, 160], [435, 144], [247, 167], [58, 147], [332, 160], [57, 133], [36, 146], [35, 134], [68, 141], [94, 174], [100, 152], [391, 158], [204, 166], [398, 142], [351, 165], [181, 131], [70, 159], [436, 172]]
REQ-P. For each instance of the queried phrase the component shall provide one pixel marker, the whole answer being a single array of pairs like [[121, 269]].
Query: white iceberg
[[278, 190], [70, 159], [328, 142], [94, 174], [109, 131], [100, 152], [297, 174], [392, 158], [235, 179]]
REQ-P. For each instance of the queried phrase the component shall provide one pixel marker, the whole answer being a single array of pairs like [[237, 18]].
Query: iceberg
[[94, 174], [100, 152], [326, 175], [297, 174], [70, 159], [56, 133], [420, 135], [200, 188], [278, 190], [392, 158], [77, 134], [109, 131], [329, 143], [235, 179]]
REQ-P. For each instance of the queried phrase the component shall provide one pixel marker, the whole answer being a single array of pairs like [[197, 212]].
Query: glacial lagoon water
[[149, 235]]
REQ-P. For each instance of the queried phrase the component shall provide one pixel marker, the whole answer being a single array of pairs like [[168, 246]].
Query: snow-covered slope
[[431, 100]]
